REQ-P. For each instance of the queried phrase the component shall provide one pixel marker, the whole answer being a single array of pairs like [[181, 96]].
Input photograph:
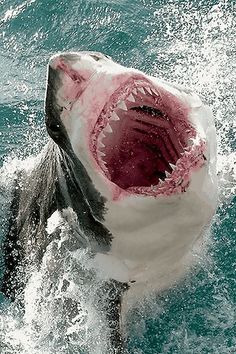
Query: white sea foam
[[63, 312]]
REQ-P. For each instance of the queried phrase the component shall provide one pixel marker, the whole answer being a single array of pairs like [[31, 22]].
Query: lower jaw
[[176, 183]]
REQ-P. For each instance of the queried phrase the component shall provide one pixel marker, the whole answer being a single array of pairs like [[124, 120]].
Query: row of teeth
[[131, 98], [114, 117], [161, 181], [122, 105]]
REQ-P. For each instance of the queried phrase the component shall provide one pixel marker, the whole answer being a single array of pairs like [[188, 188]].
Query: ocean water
[[190, 42]]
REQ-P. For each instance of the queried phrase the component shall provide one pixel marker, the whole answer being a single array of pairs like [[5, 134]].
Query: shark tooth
[[148, 90], [172, 166], [131, 98], [167, 174], [100, 144], [114, 116], [154, 92], [103, 165], [141, 90], [101, 137], [122, 105], [108, 129]]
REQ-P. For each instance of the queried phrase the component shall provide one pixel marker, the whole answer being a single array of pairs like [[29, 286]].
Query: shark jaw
[[132, 133], [149, 149], [144, 142]]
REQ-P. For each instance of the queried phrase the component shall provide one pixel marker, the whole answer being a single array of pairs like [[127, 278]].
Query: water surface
[[190, 42]]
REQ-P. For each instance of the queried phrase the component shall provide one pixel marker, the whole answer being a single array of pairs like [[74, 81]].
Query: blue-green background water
[[191, 42]]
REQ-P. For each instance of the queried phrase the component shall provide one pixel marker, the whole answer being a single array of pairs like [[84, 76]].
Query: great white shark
[[134, 157]]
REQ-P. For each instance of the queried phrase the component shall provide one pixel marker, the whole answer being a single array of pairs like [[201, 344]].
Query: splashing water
[[190, 42]]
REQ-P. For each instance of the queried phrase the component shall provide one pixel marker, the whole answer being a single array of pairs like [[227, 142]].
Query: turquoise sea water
[[190, 42]]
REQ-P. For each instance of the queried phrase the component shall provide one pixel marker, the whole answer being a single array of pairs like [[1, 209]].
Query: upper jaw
[[124, 94]]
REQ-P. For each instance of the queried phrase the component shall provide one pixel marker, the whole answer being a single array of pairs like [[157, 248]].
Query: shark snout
[[80, 62], [58, 60]]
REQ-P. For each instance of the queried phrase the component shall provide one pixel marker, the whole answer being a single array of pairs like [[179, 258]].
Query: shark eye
[[54, 127], [95, 57]]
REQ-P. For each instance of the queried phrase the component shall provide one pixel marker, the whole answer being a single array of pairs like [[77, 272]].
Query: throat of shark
[[144, 143]]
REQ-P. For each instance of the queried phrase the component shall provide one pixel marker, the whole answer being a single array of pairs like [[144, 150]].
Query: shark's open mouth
[[144, 142]]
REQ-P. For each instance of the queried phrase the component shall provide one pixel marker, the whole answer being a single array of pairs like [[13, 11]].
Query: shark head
[[149, 148]]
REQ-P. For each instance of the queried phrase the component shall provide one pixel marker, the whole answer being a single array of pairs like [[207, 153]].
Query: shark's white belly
[[152, 253]]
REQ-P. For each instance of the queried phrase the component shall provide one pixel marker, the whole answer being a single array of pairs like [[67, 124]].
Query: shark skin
[[134, 157], [121, 123]]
